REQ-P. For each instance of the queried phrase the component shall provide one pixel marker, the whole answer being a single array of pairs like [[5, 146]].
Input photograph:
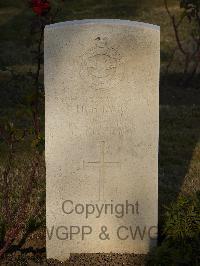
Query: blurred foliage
[[182, 219], [181, 245], [188, 47], [20, 29], [2, 230]]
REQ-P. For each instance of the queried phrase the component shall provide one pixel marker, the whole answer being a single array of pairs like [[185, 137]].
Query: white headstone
[[102, 126]]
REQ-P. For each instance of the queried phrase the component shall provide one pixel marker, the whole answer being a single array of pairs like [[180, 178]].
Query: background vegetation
[[21, 97]]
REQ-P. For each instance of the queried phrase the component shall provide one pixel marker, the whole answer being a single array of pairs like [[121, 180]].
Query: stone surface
[[102, 126]]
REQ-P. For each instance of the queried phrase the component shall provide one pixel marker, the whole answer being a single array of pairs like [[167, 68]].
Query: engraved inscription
[[100, 109], [100, 64]]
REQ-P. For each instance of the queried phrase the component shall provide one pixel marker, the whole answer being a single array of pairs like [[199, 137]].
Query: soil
[[19, 258], [33, 253]]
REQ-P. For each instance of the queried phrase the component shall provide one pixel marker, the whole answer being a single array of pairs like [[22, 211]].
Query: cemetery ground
[[179, 143]]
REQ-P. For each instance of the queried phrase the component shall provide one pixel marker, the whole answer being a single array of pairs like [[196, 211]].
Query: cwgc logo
[[101, 65]]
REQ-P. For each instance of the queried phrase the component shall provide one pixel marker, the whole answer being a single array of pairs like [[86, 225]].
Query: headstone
[[102, 126]]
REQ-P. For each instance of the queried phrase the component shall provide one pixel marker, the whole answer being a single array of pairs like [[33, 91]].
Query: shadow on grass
[[180, 106], [179, 135], [175, 92], [179, 138]]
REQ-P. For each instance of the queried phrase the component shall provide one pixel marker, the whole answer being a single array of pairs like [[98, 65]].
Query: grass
[[15, 19], [14, 54], [179, 150], [179, 157]]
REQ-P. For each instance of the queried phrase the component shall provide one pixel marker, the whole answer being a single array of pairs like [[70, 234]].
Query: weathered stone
[[102, 106]]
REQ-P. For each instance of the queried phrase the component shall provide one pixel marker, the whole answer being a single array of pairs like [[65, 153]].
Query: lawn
[[179, 149]]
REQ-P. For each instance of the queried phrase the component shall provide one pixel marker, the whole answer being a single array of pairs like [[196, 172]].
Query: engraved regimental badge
[[101, 66]]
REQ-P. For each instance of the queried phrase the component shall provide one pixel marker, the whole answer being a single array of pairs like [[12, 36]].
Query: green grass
[[179, 150], [179, 110], [15, 21]]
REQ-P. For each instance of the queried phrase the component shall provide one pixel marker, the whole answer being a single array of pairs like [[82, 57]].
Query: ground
[[179, 147]]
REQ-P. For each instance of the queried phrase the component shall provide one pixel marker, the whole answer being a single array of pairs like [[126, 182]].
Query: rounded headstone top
[[118, 22]]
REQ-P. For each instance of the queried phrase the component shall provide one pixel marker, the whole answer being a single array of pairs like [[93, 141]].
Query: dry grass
[[179, 158]]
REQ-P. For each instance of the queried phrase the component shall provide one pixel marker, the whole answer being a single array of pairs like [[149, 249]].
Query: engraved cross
[[101, 164]]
